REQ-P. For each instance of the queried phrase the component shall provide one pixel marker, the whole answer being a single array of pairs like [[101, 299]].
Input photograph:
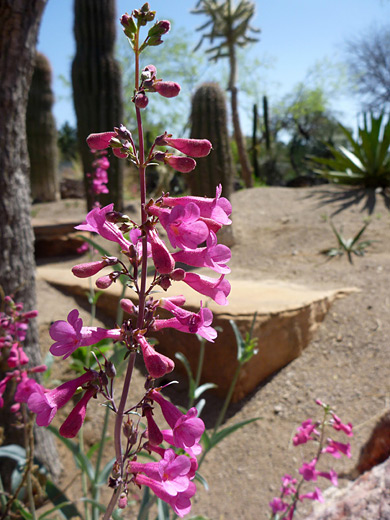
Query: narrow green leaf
[[239, 341], [105, 472], [202, 388], [57, 497], [14, 452], [218, 437]]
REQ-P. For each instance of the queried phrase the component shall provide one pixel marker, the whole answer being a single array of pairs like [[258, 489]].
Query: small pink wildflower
[[337, 448], [217, 289]]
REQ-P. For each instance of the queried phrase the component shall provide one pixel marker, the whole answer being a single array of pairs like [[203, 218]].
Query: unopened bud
[[110, 369], [167, 89], [104, 282], [165, 282], [141, 100], [178, 275], [122, 503], [127, 305]]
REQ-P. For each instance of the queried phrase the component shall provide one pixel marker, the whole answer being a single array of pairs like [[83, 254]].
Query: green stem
[[198, 370], [84, 483], [228, 398]]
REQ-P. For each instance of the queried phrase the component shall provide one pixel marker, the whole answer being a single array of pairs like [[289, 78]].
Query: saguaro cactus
[[209, 120], [96, 82], [42, 134]]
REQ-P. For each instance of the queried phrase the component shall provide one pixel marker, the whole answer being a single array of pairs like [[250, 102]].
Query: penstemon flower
[[285, 506], [191, 224]]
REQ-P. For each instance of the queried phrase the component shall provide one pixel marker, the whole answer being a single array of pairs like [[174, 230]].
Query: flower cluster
[[284, 506], [13, 329], [191, 224], [99, 177]]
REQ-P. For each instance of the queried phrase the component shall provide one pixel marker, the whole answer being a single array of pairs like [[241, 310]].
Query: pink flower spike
[[75, 419], [100, 141], [156, 364], [180, 164], [191, 147], [216, 289], [166, 89]]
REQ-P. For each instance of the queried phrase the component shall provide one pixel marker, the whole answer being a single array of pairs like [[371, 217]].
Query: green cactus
[[96, 82], [42, 134], [209, 121]]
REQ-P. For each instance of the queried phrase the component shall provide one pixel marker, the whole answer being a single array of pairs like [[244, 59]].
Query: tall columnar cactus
[[42, 134], [96, 82], [209, 120]]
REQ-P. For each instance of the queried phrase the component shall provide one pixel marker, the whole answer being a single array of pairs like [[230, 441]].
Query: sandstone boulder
[[287, 317]]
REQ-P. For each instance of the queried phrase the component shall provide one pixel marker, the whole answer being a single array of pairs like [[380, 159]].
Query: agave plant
[[368, 164]]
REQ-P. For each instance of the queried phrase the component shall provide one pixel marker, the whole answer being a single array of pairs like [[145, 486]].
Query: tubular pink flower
[[315, 495], [25, 388], [75, 419], [193, 451], [69, 335], [155, 436], [46, 403], [215, 256], [168, 479], [156, 364], [166, 89], [162, 258], [191, 147], [288, 485], [3, 385], [127, 305], [337, 448], [187, 428], [215, 288], [180, 164], [330, 475], [308, 470], [16, 356], [88, 269], [187, 321], [217, 209], [96, 222], [278, 506], [304, 432], [183, 226], [339, 426], [100, 141]]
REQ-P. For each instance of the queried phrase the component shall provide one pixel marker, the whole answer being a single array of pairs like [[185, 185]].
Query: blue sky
[[295, 35]]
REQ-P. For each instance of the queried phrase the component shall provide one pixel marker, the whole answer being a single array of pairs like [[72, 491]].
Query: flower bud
[[191, 147], [104, 282], [178, 275], [167, 89], [122, 503], [129, 26], [141, 100], [181, 164], [165, 282], [100, 141], [88, 269], [127, 305], [110, 369]]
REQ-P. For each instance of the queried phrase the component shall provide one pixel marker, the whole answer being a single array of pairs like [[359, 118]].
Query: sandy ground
[[279, 233]]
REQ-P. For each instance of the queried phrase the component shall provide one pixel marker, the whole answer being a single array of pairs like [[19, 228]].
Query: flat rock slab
[[287, 317]]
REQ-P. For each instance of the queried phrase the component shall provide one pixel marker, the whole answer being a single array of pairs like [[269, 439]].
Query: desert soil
[[279, 234]]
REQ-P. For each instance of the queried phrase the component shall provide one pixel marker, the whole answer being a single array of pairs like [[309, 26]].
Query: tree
[[230, 26], [19, 24], [97, 95], [368, 60]]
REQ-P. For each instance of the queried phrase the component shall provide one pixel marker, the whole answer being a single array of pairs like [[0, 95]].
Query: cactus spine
[[209, 120], [96, 82], [42, 134]]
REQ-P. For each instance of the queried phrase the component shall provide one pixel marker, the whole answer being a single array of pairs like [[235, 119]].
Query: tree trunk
[[246, 172], [19, 23], [97, 94]]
